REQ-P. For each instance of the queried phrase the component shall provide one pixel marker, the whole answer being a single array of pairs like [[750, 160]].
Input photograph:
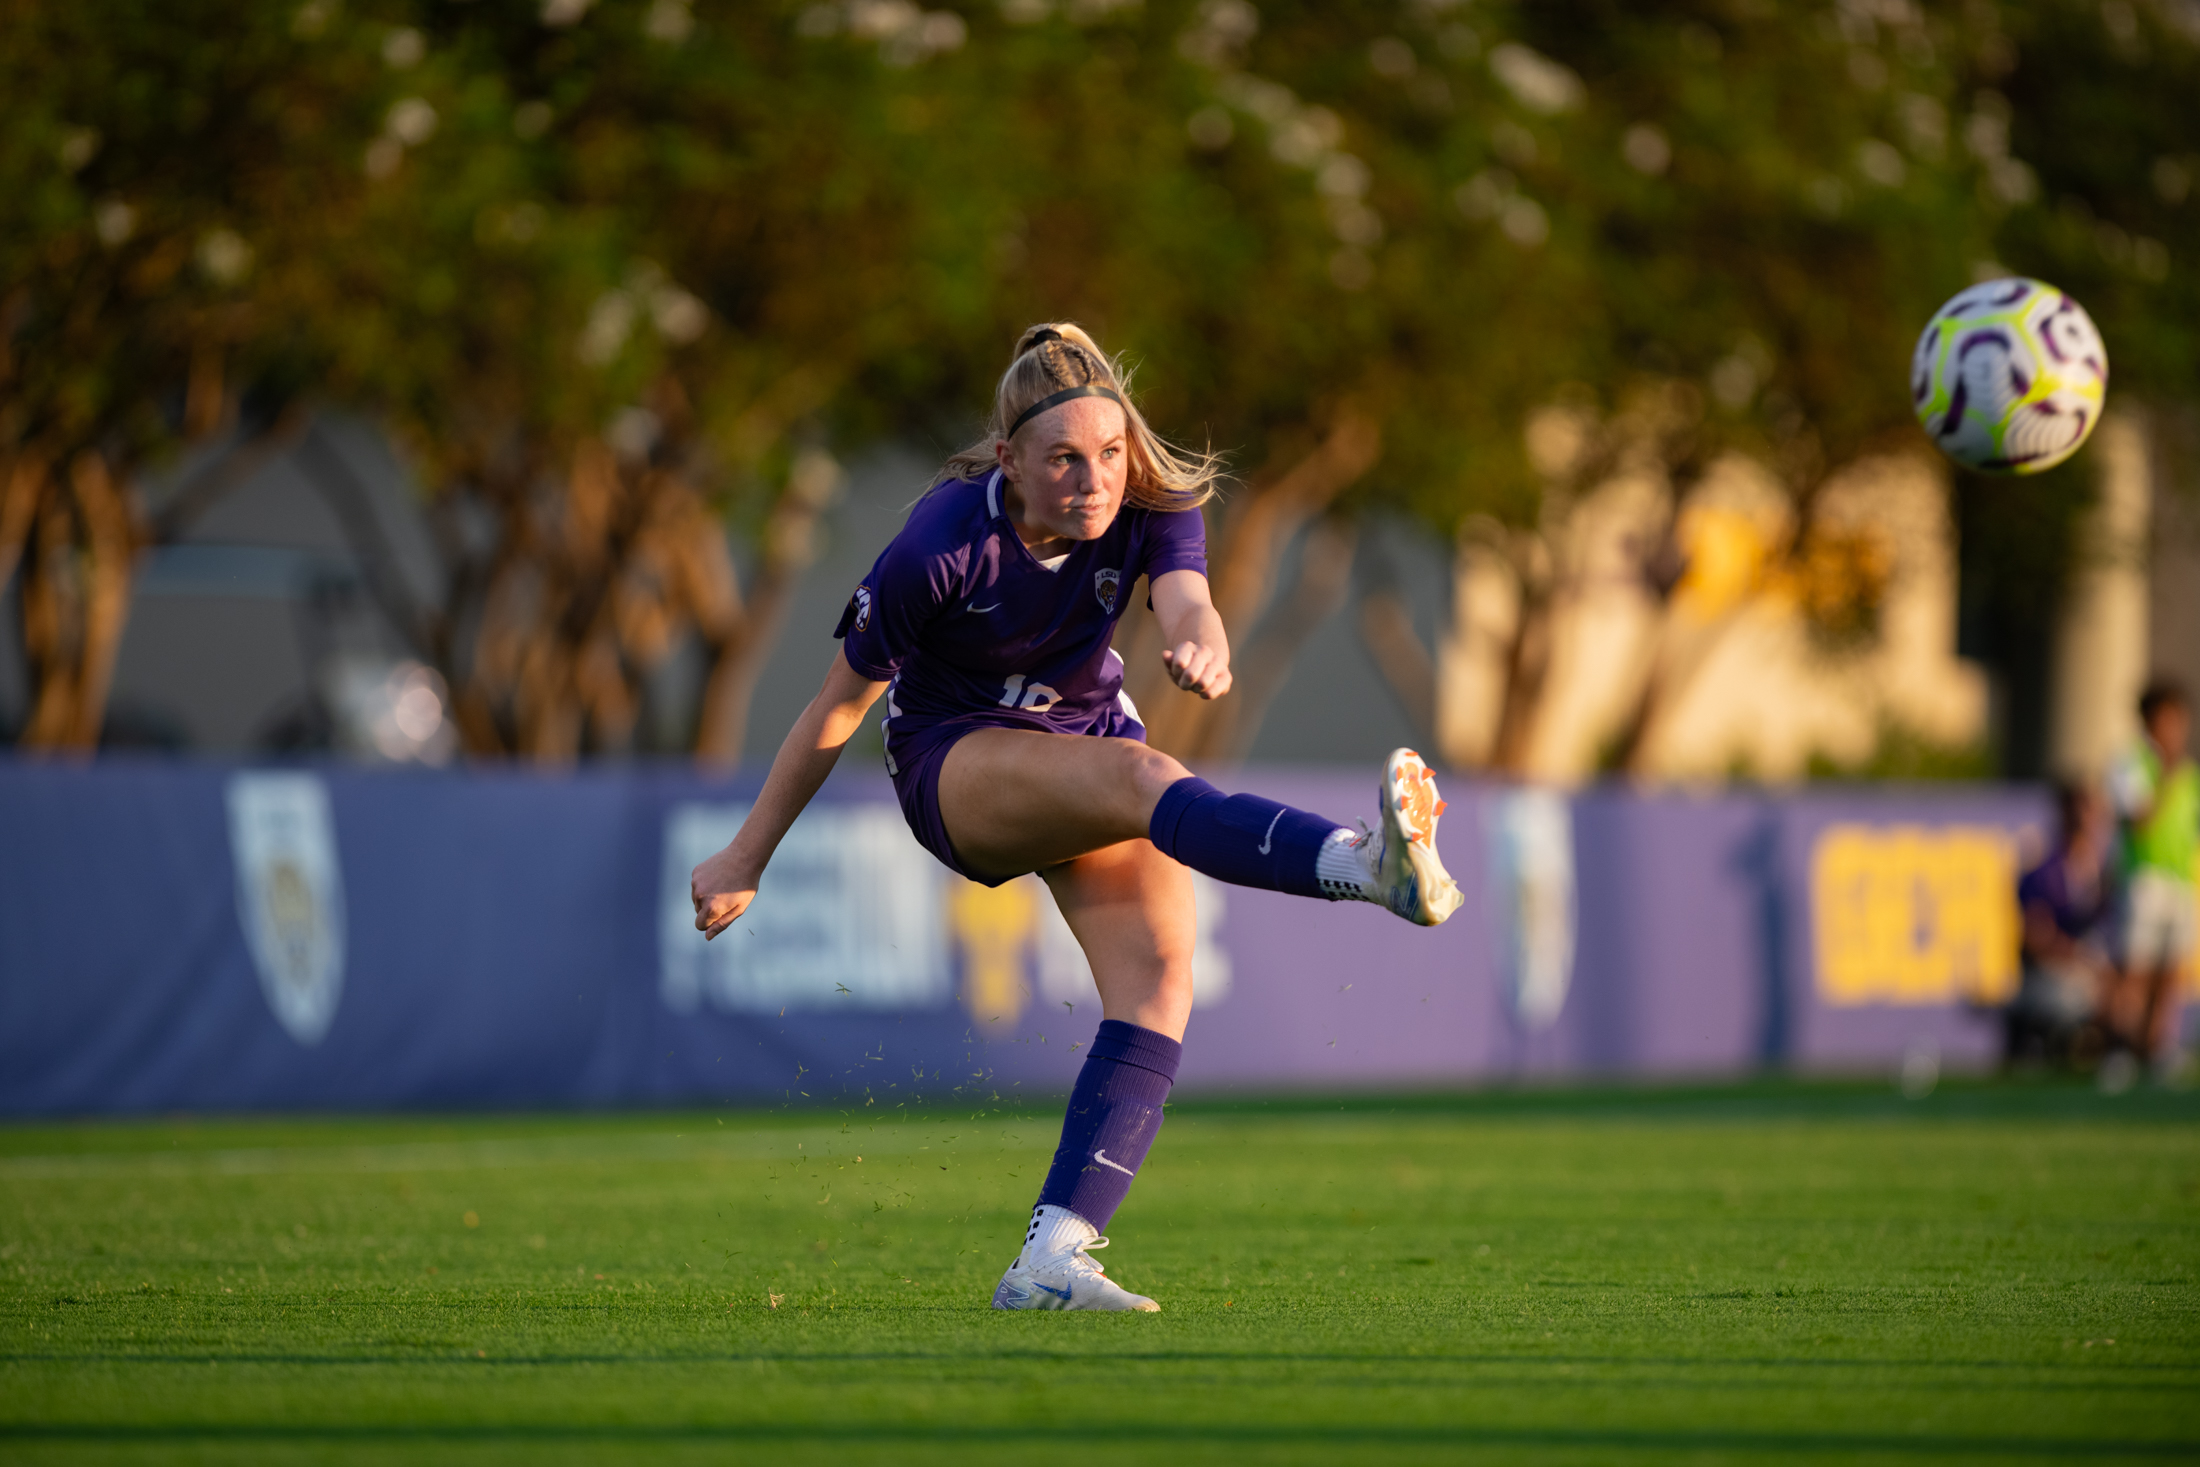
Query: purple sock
[[1242, 839], [1114, 1114]]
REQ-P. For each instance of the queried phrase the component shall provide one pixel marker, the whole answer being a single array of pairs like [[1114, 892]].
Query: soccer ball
[[2009, 377]]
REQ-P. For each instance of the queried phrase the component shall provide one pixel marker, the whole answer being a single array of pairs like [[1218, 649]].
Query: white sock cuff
[[1054, 1230], [1342, 872]]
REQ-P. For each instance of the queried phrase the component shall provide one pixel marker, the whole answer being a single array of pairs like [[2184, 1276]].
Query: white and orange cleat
[[1401, 859]]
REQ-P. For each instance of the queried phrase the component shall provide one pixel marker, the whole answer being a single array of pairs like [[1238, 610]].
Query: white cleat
[[1066, 1280], [1401, 857]]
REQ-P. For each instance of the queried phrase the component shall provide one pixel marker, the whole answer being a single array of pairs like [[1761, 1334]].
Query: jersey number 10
[[1038, 697]]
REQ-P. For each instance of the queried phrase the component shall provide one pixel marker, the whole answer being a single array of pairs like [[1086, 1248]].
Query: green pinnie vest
[[2169, 838]]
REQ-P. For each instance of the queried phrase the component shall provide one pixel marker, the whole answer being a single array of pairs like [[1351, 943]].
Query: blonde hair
[[1057, 355]]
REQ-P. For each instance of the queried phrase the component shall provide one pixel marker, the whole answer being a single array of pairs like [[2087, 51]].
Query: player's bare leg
[[1017, 800], [2158, 1015], [1130, 908], [1020, 800]]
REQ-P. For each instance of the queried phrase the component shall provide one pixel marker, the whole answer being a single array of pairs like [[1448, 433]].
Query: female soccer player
[[987, 625]]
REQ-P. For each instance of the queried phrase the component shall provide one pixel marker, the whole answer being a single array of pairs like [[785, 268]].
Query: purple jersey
[[2076, 901], [961, 619]]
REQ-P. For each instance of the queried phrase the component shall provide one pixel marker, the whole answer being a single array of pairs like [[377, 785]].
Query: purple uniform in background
[[2077, 908], [968, 630]]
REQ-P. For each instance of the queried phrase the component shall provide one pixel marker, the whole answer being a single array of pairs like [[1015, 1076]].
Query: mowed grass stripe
[[461, 1156], [1768, 1444], [1336, 1285]]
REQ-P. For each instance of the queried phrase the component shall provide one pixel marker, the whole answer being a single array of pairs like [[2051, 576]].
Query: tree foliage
[[618, 273]]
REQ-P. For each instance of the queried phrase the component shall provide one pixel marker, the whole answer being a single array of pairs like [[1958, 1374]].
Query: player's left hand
[[1198, 669], [722, 889]]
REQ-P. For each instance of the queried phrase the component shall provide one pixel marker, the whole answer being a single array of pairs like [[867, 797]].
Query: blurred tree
[[1368, 244], [460, 222], [622, 274], [1721, 224], [1122, 166], [143, 147], [528, 289], [1771, 207], [2096, 101], [1686, 231]]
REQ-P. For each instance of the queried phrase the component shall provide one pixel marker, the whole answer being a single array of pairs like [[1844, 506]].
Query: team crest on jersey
[[1104, 585], [861, 604]]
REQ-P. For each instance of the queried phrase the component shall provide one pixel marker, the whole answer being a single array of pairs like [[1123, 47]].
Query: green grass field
[[1763, 1273]]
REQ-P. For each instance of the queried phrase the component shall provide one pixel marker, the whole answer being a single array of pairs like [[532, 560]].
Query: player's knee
[[1149, 772]]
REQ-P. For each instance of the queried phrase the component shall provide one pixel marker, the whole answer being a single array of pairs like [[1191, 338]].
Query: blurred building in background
[[255, 632]]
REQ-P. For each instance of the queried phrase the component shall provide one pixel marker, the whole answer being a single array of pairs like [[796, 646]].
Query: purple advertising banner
[[195, 937]]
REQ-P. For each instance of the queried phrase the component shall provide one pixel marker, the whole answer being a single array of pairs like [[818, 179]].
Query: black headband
[[1090, 389]]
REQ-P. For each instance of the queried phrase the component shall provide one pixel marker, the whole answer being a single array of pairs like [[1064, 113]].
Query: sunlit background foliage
[[616, 273]]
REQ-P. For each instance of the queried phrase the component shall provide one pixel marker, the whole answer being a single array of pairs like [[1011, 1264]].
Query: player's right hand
[[721, 891], [1198, 669]]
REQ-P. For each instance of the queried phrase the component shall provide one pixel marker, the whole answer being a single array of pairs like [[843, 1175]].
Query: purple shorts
[[914, 757]]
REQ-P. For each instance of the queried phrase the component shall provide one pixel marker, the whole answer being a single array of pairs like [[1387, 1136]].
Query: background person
[[2066, 900], [2156, 788]]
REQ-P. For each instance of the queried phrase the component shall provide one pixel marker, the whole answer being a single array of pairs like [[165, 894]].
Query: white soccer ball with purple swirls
[[2009, 377]]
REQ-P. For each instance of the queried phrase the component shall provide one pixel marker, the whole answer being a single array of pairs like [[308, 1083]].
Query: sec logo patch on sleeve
[[857, 617]]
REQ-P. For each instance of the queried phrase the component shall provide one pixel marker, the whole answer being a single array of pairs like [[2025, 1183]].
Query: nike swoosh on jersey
[[982, 610]]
